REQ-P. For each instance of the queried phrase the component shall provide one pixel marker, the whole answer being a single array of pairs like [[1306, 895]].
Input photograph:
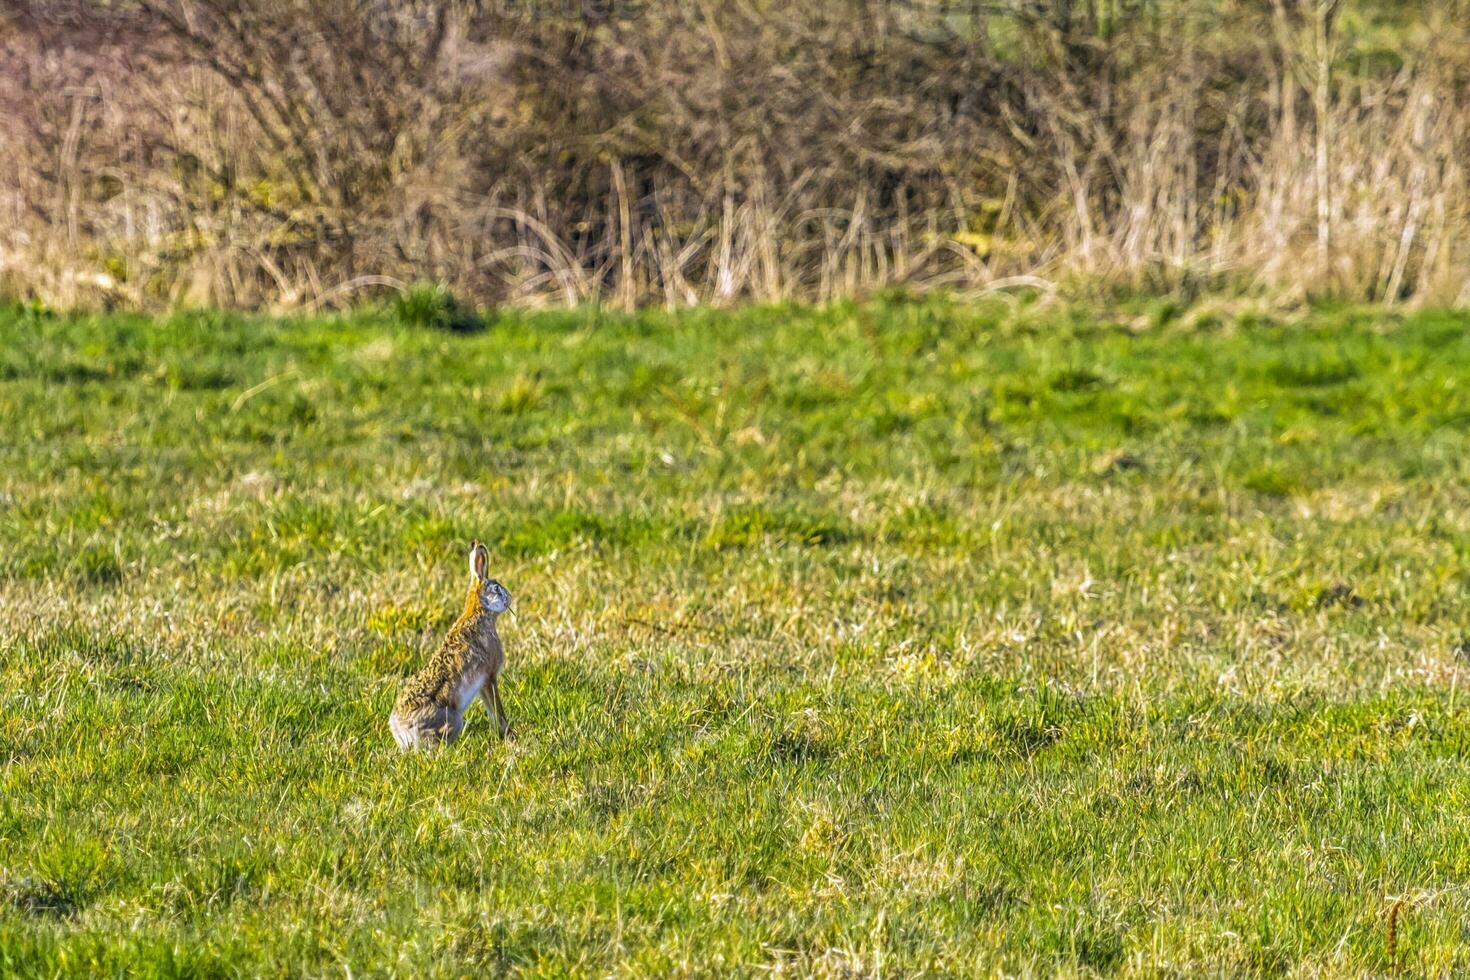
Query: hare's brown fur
[[431, 705]]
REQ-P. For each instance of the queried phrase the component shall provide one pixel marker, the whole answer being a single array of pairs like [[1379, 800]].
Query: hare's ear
[[479, 560]]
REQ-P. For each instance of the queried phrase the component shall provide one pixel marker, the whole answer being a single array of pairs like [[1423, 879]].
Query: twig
[[254, 390], [1393, 936]]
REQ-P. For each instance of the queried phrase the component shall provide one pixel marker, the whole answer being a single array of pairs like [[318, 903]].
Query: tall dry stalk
[[242, 152]]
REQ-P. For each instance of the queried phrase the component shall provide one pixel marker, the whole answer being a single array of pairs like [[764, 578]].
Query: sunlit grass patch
[[912, 637]]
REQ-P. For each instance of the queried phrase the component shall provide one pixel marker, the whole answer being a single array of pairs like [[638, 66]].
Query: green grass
[[890, 639]]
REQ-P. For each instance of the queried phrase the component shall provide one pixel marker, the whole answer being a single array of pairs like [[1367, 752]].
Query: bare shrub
[[289, 152]]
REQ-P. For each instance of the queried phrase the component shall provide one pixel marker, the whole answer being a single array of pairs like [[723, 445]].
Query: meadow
[[890, 638]]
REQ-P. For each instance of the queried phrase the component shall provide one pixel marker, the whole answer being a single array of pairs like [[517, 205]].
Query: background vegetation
[[939, 627], [884, 638], [668, 152]]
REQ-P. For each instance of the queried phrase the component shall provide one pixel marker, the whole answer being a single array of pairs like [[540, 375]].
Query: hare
[[431, 706]]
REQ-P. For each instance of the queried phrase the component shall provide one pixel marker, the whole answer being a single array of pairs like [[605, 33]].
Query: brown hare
[[431, 706]]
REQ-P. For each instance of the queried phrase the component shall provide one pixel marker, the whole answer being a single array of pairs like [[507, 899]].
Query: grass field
[[910, 637]]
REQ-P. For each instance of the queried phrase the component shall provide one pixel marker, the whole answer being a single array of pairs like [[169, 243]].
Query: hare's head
[[492, 594]]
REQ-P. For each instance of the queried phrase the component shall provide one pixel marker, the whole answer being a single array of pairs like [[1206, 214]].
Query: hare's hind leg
[[402, 734], [450, 725], [493, 705], [441, 727]]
